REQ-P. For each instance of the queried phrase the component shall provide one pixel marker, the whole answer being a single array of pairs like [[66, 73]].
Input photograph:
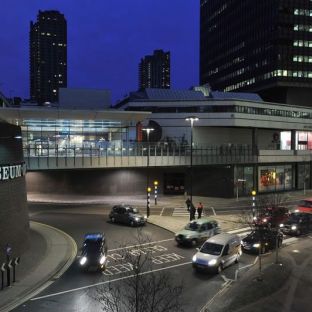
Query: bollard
[[2, 275], [9, 267], [15, 263]]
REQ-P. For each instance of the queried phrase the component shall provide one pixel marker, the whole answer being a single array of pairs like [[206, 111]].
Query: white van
[[218, 252]]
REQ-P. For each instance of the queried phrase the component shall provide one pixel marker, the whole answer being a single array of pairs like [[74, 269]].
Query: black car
[[127, 215], [93, 252], [270, 238], [298, 223]]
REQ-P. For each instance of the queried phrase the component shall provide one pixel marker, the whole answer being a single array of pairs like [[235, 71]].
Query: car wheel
[[132, 223], [237, 257], [194, 242]]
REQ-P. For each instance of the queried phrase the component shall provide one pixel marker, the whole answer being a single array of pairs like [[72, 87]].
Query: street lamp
[[191, 119], [148, 130]]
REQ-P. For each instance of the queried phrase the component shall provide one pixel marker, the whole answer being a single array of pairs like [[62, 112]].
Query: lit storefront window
[[275, 178]]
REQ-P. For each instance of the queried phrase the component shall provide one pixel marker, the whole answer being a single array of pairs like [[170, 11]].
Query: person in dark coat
[[188, 204], [200, 209], [192, 212]]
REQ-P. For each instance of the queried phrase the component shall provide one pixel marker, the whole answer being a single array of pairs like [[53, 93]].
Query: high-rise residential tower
[[258, 46], [154, 70], [48, 56]]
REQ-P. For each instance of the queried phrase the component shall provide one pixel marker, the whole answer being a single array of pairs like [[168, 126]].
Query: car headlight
[[294, 227], [83, 260], [265, 220], [102, 260], [281, 225], [137, 219], [145, 217], [194, 258], [257, 245], [212, 262]]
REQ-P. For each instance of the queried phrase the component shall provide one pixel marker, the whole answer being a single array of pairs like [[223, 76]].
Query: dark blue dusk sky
[[106, 40]]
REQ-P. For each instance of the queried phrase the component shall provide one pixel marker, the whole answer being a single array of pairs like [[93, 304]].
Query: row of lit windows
[[275, 73], [302, 58], [303, 12], [240, 84], [298, 27], [302, 43], [291, 73], [226, 109]]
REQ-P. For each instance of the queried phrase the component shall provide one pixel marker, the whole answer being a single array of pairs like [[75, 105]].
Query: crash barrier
[[8, 269]]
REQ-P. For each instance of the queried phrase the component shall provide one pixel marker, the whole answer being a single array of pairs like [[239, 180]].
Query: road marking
[[162, 211], [107, 282], [240, 230], [290, 240], [149, 243], [220, 292]]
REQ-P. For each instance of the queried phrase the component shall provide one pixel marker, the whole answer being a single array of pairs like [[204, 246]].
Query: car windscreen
[[211, 249], [92, 247], [294, 218], [132, 210], [192, 226], [305, 203]]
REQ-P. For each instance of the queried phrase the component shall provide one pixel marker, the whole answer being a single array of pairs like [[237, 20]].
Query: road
[[75, 290]]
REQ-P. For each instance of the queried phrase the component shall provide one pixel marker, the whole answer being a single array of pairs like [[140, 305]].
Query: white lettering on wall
[[12, 172]]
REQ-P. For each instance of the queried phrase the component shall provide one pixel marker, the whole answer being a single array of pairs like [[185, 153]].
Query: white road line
[[290, 240], [149, 243], [107, 282], [239, 230]]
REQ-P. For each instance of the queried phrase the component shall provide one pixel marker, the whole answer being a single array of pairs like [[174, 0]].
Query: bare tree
[[143, 289]]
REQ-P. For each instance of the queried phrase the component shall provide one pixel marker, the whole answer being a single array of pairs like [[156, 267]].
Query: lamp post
[[148, 130], [155, 191], [191, 119], [253, 194]]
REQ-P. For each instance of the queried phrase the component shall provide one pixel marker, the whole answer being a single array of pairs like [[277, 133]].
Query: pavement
[[52, 251]]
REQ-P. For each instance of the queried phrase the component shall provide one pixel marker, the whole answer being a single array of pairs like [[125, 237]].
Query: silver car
[[197, 231]]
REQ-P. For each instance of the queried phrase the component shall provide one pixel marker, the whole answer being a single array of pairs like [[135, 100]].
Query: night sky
[[106, 40]]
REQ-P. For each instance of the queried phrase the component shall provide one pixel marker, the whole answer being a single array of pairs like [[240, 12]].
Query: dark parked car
[[298, 223], [269, 239], [93, 252], [273, 216], [127, 215]]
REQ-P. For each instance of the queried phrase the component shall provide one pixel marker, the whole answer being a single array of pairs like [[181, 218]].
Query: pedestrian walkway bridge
[[142, 155]]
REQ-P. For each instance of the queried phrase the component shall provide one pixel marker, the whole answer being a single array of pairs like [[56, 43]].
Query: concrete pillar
[[254, 141], [293, 140]]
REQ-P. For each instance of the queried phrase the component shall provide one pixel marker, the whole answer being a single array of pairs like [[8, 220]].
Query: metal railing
[[136, 155]]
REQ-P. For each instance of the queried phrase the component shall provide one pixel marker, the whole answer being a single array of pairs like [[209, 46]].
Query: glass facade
[[244, 180], [275, 178], [41, 137], [303, 176]]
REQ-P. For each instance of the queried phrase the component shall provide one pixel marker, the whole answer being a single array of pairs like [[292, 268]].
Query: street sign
[[17, 260], [10, 264]]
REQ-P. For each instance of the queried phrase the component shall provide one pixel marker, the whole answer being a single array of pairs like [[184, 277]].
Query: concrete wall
[[206, 135], [207, 181], [84, 98], [14, 222]]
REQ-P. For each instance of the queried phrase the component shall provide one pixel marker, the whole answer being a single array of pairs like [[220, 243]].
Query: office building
[[48, 56], [258, 46], [154, 70]]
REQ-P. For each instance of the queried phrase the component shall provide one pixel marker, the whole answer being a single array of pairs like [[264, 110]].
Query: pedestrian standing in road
[[200, 209], [188, 204], [192, 212]]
